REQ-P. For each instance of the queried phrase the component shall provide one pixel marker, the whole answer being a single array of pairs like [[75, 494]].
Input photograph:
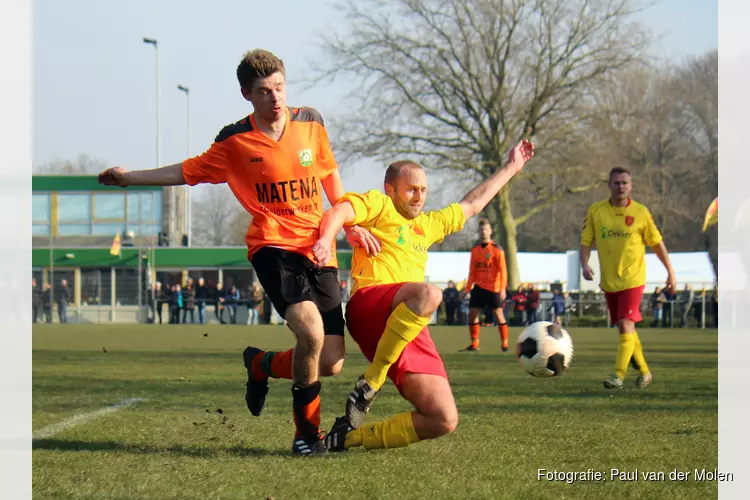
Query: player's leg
[[618, 308], [434, 415], [476, 305], [502, 324], [282, 275], [420, 377], [326, 291], [630, 311], [412, 308]]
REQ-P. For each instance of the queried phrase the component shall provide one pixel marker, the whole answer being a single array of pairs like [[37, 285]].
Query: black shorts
[[482, 299], [290, 278]]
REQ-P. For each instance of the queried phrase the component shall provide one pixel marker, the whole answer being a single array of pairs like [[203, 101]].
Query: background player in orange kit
[[489, 276], [277, 162]]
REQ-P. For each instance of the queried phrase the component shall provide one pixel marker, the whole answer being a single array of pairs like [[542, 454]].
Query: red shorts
[[367, 313], [625, 304]]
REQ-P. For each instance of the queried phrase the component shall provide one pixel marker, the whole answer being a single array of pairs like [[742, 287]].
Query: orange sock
[[474, 332], [273, 364], [306, 407], [503, 328]]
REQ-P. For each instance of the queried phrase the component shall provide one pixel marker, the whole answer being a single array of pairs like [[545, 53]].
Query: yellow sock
[[394, 433], [624, 353], [639, 361], [402, 327]]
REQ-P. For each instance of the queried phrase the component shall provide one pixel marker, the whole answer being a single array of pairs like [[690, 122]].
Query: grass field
[[192, 437]]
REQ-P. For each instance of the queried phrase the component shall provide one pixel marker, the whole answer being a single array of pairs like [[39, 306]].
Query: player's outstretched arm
[[332, 222], [478, 198], [661, 251], [164, 176]]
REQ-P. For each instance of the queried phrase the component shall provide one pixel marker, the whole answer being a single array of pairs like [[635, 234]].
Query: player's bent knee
[[434, 296], [328, 369]]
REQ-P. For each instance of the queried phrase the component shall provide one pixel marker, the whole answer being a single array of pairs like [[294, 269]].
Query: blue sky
[[94, 78]]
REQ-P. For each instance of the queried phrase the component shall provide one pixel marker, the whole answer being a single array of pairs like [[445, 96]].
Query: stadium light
[[155, 43], [188, 208]]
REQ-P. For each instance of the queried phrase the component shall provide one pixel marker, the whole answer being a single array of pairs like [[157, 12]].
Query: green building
[[75, 221]]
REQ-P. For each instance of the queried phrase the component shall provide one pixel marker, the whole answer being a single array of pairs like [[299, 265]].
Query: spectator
[[175, 304], [202, 295], [669, 299], [36, 301], [344, 291], [657, 306], [231, 299], [558, 306], [254, 300], [519, 306], [218, 296], [188, 296], [452, 301], [47, 303], [62, 298], [569, 307], [532, 304], [686, 304]]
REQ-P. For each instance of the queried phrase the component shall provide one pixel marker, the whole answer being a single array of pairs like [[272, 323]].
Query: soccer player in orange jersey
[[489, 277], [621, 228], [388, 313], [277, 161]]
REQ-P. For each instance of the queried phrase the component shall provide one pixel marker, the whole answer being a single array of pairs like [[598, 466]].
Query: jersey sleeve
[[587, 231], [367, 207], [440, 224], [326, 161], [210, 167], [651, 236]]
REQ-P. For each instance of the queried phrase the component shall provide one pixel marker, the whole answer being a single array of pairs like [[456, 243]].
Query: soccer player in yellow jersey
[[621, 228], [388, 313]]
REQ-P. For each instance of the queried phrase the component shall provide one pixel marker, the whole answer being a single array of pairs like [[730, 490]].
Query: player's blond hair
[[257, 64]]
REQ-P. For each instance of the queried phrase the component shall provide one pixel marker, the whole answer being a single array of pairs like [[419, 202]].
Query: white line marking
[[53, 429]]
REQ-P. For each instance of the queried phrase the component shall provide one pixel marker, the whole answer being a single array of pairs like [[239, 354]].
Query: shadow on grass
[[66, 445]]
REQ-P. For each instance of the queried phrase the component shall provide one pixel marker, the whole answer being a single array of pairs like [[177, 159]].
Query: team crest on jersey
[[488, 256], [629, 219], [305, 157]]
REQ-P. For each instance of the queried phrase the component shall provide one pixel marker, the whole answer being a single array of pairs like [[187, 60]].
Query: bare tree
[[82, 165], [455, 83], [218, 219]]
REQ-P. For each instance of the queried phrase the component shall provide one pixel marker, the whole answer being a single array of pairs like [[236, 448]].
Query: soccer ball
[[544, 349]]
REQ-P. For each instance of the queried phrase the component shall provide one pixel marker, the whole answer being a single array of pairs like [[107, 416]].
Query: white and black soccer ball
[[544, 349]]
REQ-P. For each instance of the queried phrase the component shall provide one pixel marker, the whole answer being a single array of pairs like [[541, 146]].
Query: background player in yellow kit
[[621, 228]]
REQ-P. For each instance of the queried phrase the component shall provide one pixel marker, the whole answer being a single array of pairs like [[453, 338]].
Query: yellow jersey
[[404, 242], [620, 234]]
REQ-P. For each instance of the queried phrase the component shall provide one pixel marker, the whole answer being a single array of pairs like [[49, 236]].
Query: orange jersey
[[277, 182], [487, 267]]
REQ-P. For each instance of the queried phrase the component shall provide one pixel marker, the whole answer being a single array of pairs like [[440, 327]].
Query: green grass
[[177, 445]]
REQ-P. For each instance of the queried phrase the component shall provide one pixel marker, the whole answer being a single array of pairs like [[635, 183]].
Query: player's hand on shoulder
[[360, 237], [114, 176]]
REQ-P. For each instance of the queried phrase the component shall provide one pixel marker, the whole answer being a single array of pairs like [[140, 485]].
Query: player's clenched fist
[[115, 176]]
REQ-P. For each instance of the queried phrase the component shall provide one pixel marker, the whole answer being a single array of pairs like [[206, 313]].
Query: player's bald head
[[398, 169]]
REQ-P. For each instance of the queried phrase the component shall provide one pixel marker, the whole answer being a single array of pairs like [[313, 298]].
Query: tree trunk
[[506, 234]]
